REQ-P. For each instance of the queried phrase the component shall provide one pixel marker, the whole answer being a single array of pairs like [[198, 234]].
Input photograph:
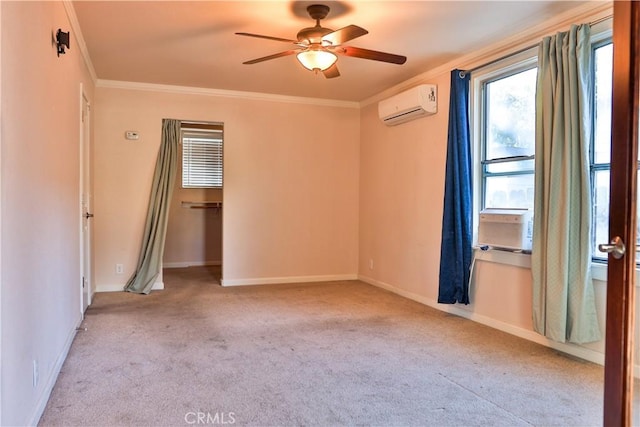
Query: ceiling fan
[[317, 46]]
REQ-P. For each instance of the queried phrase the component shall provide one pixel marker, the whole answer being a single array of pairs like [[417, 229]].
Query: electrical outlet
[[119, 269], [36, 374], [370, 264]]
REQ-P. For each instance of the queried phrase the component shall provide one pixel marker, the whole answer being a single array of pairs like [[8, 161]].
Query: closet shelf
[[202, 205]]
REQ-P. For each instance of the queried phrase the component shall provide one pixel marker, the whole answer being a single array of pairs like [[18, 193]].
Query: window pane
[[510, 115], [600, 211], [509, 191], [603, 81], [506, 167]]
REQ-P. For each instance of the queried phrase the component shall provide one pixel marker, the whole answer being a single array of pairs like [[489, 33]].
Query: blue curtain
[[456, 247]]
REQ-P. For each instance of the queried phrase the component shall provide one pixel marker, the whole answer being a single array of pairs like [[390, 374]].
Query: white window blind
[[201, 158]]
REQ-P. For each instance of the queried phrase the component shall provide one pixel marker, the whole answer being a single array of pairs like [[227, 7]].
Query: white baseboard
[[119, 287], [290, 279], [572, 349], [184, 264], [43, 399]]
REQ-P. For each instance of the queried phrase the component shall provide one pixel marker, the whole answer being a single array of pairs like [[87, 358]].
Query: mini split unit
[[416, 102]]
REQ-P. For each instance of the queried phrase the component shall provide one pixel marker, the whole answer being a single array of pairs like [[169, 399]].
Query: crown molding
[[593, 11], [75, 26], [254, 96]]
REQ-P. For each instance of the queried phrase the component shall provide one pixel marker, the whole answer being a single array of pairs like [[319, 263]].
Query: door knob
[[615, 248], [88, 215]]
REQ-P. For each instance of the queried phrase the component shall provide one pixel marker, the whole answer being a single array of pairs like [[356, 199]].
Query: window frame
[[484, 132], [212, 129], [598, 258], [594, 167], [514, 64]]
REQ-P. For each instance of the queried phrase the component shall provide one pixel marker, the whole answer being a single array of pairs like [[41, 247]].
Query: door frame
[[85, 205], [618, 375]]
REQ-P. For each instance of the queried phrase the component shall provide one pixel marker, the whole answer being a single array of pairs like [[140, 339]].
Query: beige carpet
[[337, 353]]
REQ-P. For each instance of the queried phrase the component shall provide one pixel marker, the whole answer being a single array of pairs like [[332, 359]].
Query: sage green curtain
[[564, 306], [155, 230]]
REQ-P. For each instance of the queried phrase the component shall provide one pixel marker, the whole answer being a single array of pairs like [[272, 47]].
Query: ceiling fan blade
[[274, 56], [331, 72], [278, 39], [372, 54], [345, 34]]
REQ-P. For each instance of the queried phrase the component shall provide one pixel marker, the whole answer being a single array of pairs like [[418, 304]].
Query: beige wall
[[401, 192], [40, 203], [290, 208]]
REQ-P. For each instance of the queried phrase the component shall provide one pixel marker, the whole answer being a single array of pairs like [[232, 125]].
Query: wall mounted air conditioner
[[506, 229], [416, 102]]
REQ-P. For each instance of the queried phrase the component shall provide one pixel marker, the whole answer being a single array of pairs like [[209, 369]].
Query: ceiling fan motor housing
[[313, 35], [318, 11]]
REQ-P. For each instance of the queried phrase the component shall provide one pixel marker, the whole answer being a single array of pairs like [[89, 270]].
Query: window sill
[[523, 260], [599, 271], [517, 259]]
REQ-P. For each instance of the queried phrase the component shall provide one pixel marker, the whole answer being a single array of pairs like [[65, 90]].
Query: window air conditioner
[[408, 105], [506, 229]]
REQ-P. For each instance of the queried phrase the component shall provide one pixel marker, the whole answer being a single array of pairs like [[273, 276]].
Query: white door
[[86, 205]]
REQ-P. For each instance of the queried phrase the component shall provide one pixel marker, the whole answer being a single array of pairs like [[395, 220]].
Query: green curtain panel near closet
[[563, 296], [155, 230]]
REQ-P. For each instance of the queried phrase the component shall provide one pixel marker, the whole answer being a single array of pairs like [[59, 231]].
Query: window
[[202, 156], [601, 145], [601, 148], [504, 122], [508, 139]]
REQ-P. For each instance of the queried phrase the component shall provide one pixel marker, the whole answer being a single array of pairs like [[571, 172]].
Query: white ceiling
[[192, 43]]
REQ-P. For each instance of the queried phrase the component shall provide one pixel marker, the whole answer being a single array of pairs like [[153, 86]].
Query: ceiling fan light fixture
[[317, 46], [313, 59]]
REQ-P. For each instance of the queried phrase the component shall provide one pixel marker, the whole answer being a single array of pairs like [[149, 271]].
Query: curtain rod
[[191, 125], [519, 51], [193, 122]]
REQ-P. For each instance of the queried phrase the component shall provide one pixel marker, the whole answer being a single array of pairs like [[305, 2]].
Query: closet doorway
[[194, 230]]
